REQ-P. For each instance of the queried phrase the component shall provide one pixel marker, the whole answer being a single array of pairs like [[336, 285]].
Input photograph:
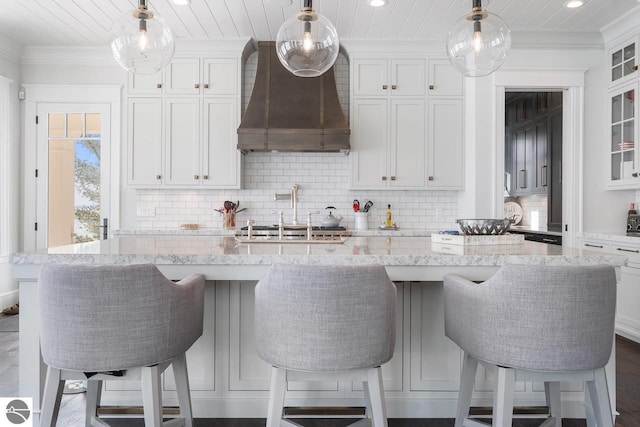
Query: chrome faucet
[[293, 196]]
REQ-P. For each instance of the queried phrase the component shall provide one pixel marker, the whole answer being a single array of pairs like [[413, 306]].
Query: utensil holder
[[362, 221], [229, 220]]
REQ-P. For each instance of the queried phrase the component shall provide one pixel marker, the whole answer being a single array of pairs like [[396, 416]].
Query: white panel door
[[221, 156], [182, 141], [147, 84], [369, 148], [408, 144], [370, 77], [144, 139], [443, 79], [183, 76], [408, 77], [435, 359], [220, 76], [446, 144]]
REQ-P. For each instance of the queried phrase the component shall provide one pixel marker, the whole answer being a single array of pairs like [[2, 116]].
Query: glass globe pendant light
[[307, 44], [479, 42], [141, 42]]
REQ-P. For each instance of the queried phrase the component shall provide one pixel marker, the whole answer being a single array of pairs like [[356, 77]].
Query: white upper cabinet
[[623, 62], [183, 133], [404, 136], [392, 77], [444, 80]]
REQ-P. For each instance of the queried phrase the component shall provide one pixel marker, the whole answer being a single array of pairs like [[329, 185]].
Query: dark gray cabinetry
[[533, 151]]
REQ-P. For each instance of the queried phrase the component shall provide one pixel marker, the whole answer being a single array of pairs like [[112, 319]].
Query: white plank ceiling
[[87, 22]]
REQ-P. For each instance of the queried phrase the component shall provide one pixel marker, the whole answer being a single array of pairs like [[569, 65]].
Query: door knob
[[394, 87], [384, 178], [196, 86], [384, 87], [206, 85]]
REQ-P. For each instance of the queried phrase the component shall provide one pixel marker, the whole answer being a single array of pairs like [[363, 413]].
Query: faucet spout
[[293, 196]]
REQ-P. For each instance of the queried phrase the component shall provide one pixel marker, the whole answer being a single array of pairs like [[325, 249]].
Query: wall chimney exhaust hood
[[289, 113]]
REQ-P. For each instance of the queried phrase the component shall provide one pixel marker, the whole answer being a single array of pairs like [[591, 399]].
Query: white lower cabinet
[[628, 297]]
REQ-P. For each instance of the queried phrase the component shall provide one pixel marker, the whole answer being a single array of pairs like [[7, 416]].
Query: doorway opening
[[533, 160]]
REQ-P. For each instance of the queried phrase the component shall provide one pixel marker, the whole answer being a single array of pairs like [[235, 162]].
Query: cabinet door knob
[[635, 174], [384, 178], [431, 87], [205, 176], [394, 87], [159, 85], [384, 87], [206, 85], [158, 176], [196, 86], [635, 68], [196, 176], [430, 178], [393, 178]]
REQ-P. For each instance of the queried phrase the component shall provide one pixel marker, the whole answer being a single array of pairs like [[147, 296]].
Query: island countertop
[[225, 252]]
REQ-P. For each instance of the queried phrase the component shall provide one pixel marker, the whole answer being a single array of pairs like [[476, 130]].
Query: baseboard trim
[[7, 299]]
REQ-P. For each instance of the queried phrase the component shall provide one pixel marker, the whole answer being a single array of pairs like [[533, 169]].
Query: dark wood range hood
[[290, 113]]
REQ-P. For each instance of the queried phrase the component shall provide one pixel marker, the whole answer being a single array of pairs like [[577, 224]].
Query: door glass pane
[[616, 57], [74, 187], [616, 109], [56, 125], [629, 51], [627, 108], [616, 137], [616, 73], [92, 125], [616, 161], [74, 125], [628, 165], [629, 67]]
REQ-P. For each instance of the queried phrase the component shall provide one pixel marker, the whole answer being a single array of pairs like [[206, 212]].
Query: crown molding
[[556, 40], [623, 27], [101, 55]]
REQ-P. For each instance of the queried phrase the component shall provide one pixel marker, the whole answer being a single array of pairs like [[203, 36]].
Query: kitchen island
[[227, 377]]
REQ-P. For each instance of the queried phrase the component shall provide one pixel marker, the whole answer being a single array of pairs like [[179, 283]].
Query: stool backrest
[[325, 318], [113, 317], [543, 318]]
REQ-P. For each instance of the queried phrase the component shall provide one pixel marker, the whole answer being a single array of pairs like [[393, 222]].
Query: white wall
[[10, 172]]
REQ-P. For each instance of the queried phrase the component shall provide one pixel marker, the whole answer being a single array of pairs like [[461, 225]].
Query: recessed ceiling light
[[182, 2], [377, 3], [572, 4]]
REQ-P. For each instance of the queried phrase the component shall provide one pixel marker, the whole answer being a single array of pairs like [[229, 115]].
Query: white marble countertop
[[389, 251], [222, 232]]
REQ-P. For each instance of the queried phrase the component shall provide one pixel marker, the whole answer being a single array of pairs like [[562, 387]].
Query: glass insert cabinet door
[[623, 151], [623, 62]]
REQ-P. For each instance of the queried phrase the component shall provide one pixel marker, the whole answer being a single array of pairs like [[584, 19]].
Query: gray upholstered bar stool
[[534, 323], [326, 322], [117, 323]]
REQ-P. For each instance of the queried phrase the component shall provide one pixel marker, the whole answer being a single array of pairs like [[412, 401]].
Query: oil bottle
[[389, 221]]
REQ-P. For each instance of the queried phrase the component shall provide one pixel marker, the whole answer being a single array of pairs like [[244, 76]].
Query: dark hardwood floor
[[72, 407]]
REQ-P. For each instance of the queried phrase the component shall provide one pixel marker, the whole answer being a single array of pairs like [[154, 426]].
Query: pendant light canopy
[[141, 42], [479, 42], [307, 44]]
